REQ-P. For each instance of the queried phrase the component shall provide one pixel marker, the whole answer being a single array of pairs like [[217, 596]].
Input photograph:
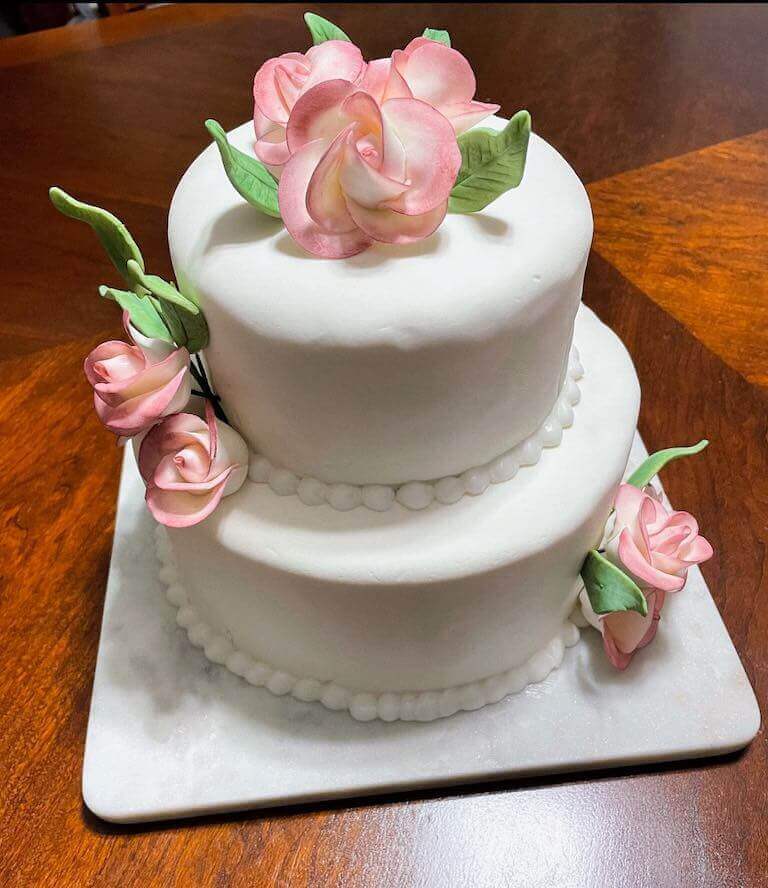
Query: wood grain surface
[[663, 110]]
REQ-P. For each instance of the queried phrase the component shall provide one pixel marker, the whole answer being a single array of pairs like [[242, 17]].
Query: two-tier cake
[[411, 433]]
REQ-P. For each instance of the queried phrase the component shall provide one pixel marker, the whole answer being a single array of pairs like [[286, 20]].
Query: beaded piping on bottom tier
[[420, 494], [362, 706]]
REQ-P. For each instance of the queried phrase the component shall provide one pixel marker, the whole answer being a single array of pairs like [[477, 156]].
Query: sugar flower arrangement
[[350, 153], [142, 389], [647, 554]]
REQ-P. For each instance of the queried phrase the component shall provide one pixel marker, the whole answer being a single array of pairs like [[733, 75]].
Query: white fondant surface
[[171, 735], [420, 494], [401, 364], [404, 601]]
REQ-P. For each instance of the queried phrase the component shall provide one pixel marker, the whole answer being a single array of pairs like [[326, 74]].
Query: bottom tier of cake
[[411, 614]]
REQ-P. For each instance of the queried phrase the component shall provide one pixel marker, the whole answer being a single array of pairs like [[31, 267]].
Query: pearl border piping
[[389, 706], [420, 494]]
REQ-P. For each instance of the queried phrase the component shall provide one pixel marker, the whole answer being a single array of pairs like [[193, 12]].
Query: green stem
[[198, 372]]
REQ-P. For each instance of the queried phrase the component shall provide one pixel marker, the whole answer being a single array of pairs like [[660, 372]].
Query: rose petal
[[375, 79], [637, 564], [272, 149], [318, 114], [325, 199], [432, 155], [266, 96], [466, 115], [293, 207], [627, 503], [436, 73], [361, 182], [395, 228], [137, 413], [173, 433], [334, 60], [176, 509]]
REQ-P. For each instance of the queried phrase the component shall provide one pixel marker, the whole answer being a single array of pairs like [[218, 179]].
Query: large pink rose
[[651, 544], [625, 632], [135, 385], [434, 73], [281, 81], [360, 172], [188, 464]]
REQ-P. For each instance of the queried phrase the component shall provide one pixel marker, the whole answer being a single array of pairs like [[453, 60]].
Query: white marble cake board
[[172, 735]]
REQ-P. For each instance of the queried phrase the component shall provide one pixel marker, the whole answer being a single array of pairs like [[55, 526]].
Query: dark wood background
[[663, 111]]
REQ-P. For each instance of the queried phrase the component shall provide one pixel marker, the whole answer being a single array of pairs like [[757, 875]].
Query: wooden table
[[663, 111]]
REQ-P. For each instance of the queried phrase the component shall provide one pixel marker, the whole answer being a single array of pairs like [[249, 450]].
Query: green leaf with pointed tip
[[491, 163], [249, 177], [173, 322], [160, 288], [114, 236], [609, 589], [437, 35], [656, 462], [321, 29], [141, 310], [180, 314]]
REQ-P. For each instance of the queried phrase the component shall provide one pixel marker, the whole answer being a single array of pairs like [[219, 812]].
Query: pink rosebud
[[281, 81], [135, 385], [434, 73], [360, 172], [188, 464], [651, 544], [625, 632]]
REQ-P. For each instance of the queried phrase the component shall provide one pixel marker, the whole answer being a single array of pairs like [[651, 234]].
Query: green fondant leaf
[[437, 35], [491, 163], [321, 29], [656, 462], [180, 314], [141, 310], [173, 322], [114, 236], [609, 589], [249, 177], [160, 288]]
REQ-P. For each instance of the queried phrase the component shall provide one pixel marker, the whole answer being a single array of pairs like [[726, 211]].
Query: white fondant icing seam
[[388, 706], [420, 494]]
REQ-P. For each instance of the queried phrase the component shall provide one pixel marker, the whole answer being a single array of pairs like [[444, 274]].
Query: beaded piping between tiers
[[362, 706], [420, 494]]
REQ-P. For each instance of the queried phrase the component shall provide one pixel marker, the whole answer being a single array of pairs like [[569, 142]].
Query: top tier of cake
[[405, 362]]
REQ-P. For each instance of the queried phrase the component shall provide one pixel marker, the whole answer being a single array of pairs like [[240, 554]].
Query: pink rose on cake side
[[188, 464], [656, 548], [361, 172], [433, 73], [136, 385], [652, 545], [281, 81], [625, 632]]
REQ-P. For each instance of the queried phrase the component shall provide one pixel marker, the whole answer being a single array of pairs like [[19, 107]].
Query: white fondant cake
[[405, 363], [381, 396]]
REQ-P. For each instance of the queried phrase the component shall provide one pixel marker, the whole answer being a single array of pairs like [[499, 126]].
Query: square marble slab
[[172, 735]]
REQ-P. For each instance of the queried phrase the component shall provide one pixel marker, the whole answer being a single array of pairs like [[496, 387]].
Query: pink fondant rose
[[281, 81], [361, 172], [625, 632], [656, 548], [135, 385], [651, 544], [434, 73], [188, 464]]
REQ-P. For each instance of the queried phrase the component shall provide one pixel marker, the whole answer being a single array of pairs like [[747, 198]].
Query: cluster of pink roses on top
[[188, 463], [364, 152], [656, 548]]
